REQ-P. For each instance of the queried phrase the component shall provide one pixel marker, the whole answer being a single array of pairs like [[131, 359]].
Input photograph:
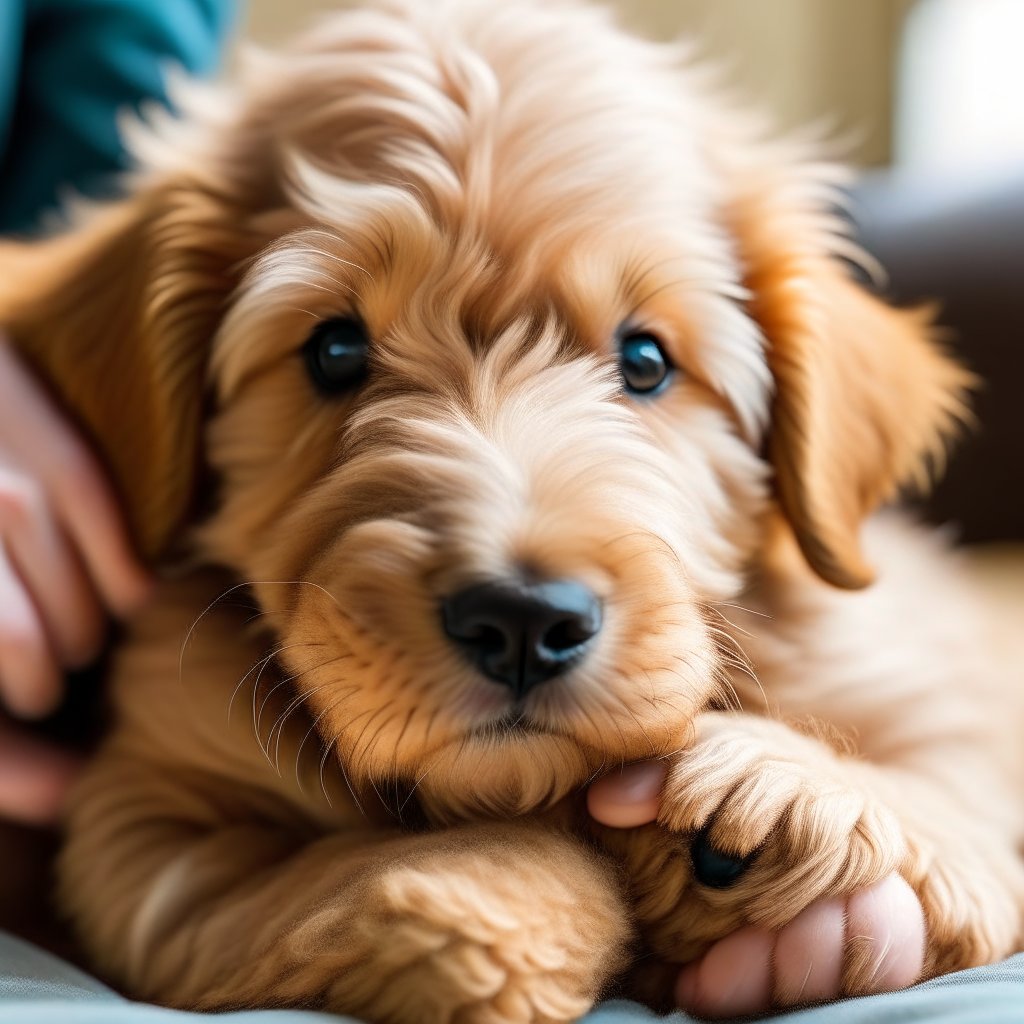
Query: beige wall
[[807, 60]]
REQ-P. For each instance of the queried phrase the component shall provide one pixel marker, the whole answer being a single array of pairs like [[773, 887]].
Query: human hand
[[66, 561]]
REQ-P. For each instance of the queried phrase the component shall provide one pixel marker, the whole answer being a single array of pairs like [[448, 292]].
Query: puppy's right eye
[[646, 369], [336, 354]]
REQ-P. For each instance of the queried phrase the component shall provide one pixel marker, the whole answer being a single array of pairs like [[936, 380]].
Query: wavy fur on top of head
[[499, 192]]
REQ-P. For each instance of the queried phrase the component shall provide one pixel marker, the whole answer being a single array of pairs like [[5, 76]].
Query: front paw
[[773, 819], [771, 871], [524, 930]]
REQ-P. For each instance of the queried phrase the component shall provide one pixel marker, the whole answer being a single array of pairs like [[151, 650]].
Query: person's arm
[[83, 63]]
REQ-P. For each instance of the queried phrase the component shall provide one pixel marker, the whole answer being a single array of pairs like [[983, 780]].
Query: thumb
[[629, 797]]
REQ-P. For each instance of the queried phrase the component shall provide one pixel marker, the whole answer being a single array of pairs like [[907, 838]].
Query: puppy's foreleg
[[504, 922]]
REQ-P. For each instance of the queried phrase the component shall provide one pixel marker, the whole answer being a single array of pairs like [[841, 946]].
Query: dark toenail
[[713, 868]]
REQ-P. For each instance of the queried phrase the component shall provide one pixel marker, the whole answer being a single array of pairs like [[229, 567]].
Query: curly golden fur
[[323, 803]]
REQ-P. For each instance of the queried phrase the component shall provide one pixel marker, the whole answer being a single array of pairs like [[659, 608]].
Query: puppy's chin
[[510, 769], [503, 772]]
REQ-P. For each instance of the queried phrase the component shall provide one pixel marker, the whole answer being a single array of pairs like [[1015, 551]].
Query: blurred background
[[917, 81]]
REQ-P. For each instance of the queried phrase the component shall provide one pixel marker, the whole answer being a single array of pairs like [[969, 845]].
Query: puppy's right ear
[[116, 316]]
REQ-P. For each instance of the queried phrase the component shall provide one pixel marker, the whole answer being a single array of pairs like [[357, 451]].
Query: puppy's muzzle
[[521, 633]]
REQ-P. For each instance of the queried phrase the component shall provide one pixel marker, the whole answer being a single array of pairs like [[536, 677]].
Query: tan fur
[[307, 798]]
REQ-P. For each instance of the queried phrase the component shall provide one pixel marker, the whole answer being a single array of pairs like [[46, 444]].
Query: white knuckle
[[21, 641], [22, 501]]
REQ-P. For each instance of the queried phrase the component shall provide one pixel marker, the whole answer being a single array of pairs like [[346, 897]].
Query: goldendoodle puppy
[[501, 402]]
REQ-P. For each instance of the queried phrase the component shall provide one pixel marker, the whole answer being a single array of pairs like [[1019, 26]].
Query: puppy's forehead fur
[[523, 152]]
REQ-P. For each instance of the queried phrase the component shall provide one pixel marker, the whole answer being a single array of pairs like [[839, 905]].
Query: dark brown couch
[[961, 242]]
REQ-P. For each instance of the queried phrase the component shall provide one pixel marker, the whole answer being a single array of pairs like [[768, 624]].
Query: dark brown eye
[[336, 354], [645, 367]]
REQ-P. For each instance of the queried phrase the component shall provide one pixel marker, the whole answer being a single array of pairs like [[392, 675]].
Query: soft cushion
[[37, 988]]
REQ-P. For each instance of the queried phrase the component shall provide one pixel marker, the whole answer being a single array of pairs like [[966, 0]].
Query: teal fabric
[[36, 988], [67, 70]]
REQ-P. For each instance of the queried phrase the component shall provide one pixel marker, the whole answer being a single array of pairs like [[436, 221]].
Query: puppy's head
[[480, 326]]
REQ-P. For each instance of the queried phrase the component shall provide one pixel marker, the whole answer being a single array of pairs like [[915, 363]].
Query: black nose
[[522, 633]]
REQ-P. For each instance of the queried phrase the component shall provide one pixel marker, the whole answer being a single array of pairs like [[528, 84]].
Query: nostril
[[567, 635], [489, 638]]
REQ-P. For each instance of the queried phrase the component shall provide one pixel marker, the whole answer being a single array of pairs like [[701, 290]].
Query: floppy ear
[[116, 316], [865, 401]]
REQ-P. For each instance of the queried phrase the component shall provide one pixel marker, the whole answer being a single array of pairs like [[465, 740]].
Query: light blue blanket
[[36, 988]]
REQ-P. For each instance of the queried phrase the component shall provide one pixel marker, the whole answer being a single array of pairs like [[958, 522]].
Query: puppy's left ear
[[116, 316], [865, 401]]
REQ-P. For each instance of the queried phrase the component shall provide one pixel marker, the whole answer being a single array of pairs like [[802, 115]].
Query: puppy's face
[[491, 387], [513, 497], [496, 401]]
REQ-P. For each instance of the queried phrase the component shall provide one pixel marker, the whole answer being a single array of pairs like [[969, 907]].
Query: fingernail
[[628, 798], [638, 781]]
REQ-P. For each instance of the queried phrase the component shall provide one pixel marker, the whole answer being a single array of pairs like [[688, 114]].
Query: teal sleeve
[[82, 62], [12, 30]]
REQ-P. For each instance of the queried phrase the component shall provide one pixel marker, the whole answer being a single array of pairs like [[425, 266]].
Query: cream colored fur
[[306, 797]]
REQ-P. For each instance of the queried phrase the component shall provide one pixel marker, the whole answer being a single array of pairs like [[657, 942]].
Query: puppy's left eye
[[645, 367], [336, 354]]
